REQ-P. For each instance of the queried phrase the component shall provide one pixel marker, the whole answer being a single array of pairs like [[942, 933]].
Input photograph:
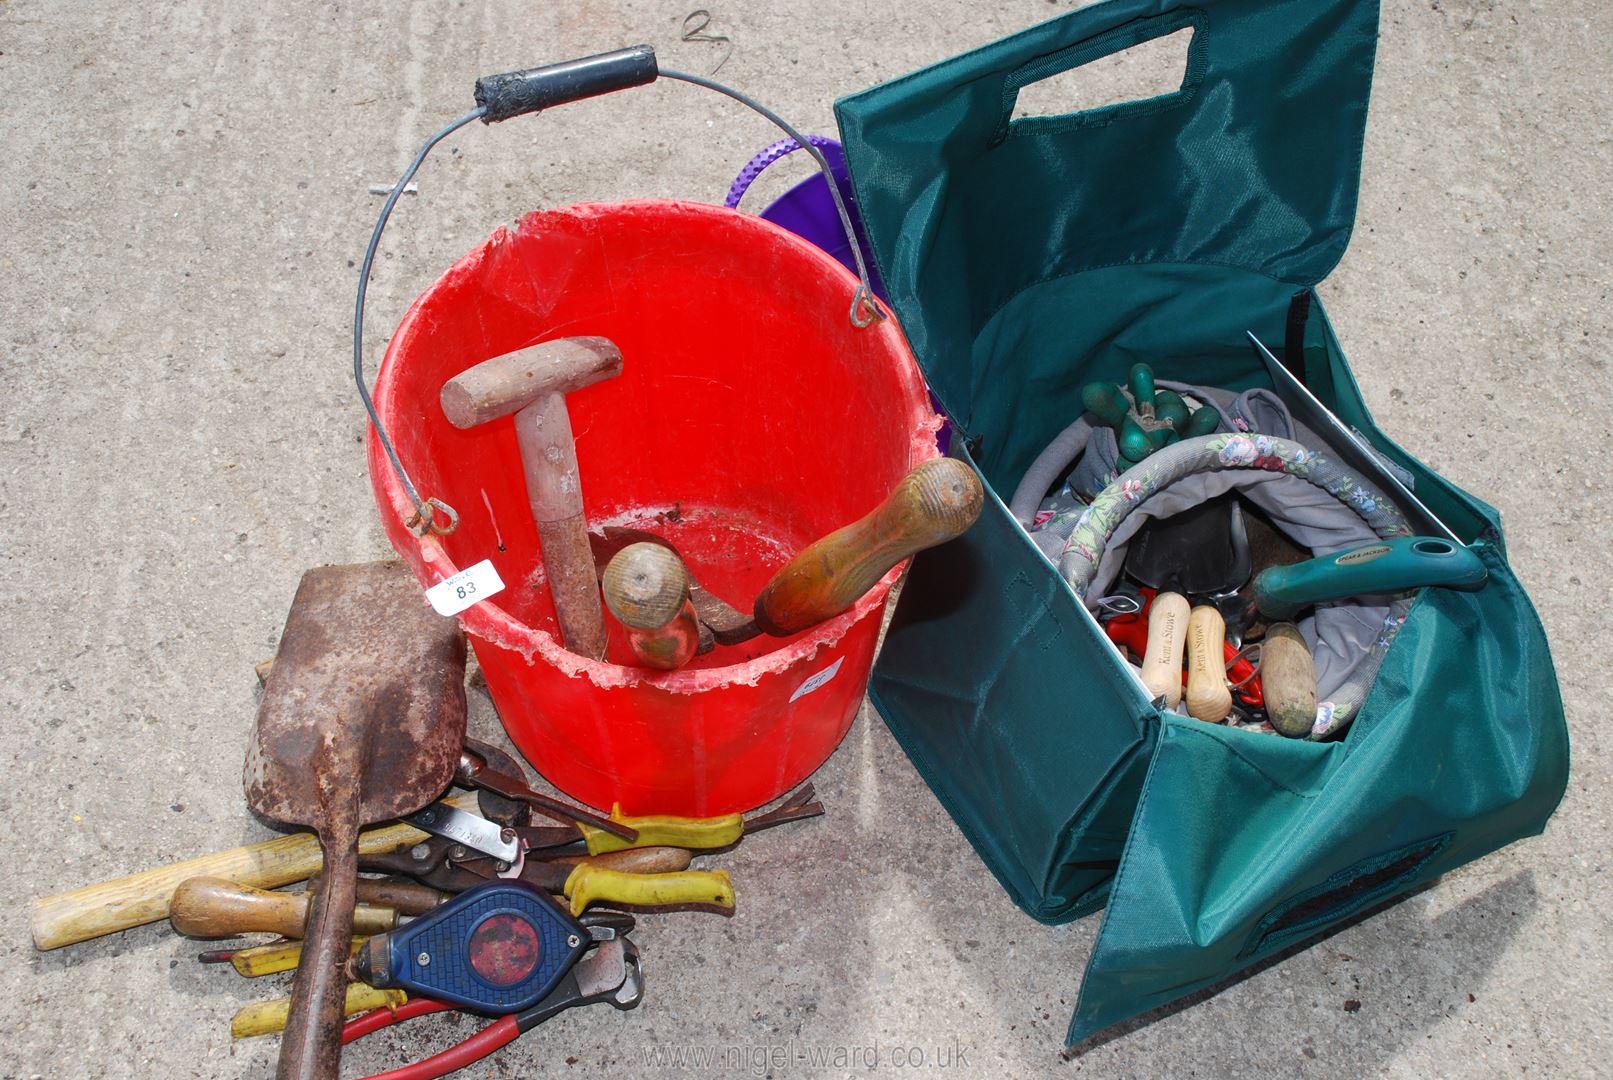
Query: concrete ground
[[182, 196]]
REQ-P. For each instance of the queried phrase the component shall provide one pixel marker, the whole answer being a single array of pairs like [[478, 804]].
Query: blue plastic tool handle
[[515, 93], [433, 955], [1387, 566]]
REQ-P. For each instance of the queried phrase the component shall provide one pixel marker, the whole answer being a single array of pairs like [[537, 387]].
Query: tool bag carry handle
[[1274, 159]]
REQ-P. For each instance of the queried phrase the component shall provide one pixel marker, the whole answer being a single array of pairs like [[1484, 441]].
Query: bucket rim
[[430, 563]]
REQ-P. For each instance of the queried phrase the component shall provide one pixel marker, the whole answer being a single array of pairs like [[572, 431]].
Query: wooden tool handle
[[932, 504], [311, 1048], [1167, 637], [96, 910], [645, 860], [403, 897], [569, 564], [268, 1017], [1288, 680], [671, 646], [646, 587], [1208, 697], [213, 907]]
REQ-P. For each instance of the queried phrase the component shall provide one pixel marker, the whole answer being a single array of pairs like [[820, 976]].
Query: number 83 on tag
[[454, 594]]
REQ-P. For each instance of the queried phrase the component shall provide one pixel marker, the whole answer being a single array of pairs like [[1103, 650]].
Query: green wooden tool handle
[[1387, 566]]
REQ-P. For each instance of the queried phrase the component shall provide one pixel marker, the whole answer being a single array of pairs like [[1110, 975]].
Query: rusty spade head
[[363, 714]]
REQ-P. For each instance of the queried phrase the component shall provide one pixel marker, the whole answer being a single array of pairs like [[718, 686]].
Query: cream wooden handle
[[1167, 636], [96, 910], [210, 907], [1288, 680], [1208, 697]]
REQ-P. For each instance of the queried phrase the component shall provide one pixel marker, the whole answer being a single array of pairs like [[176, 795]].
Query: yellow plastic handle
[[702, 834], [268, 1017], [273, 959], [589, 884]]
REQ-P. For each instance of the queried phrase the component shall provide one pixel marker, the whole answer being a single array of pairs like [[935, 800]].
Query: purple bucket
[[807, 210]]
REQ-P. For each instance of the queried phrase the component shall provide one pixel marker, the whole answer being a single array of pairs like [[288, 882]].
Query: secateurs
[[585, 863]]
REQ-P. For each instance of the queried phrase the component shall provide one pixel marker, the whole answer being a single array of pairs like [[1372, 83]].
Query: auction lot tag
[[452, 595], [818, 680]]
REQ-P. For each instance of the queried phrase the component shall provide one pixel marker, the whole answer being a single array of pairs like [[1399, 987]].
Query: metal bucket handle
[[515, 93]]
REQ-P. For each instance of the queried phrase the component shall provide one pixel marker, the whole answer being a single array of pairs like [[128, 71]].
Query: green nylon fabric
[[1028, 257]]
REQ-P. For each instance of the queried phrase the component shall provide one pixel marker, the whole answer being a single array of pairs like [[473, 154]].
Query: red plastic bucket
[[750, 418]]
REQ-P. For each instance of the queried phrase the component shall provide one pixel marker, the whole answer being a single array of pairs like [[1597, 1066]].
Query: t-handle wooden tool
[[930, 505], [646, 587], [362, 720], [533, 383]]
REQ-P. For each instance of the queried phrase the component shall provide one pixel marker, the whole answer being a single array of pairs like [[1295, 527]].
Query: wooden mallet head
[[509, 383], [646, 586]]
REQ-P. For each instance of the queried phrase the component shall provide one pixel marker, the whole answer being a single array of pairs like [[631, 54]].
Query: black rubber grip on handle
[[516, 92]]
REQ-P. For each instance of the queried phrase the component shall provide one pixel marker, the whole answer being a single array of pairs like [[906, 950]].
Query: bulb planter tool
[[1387, 566]]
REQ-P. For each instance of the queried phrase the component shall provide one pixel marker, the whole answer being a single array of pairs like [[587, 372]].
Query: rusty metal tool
[[490, 769], [362, 720], [492, 852], [646, 587], [451, 867], [213, 907], [533, 383]]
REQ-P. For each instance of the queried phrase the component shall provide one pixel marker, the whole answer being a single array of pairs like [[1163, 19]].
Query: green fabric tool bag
[[1026, 257]]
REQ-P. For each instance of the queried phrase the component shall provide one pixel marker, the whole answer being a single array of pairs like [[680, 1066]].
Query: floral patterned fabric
[[1096, 525]]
